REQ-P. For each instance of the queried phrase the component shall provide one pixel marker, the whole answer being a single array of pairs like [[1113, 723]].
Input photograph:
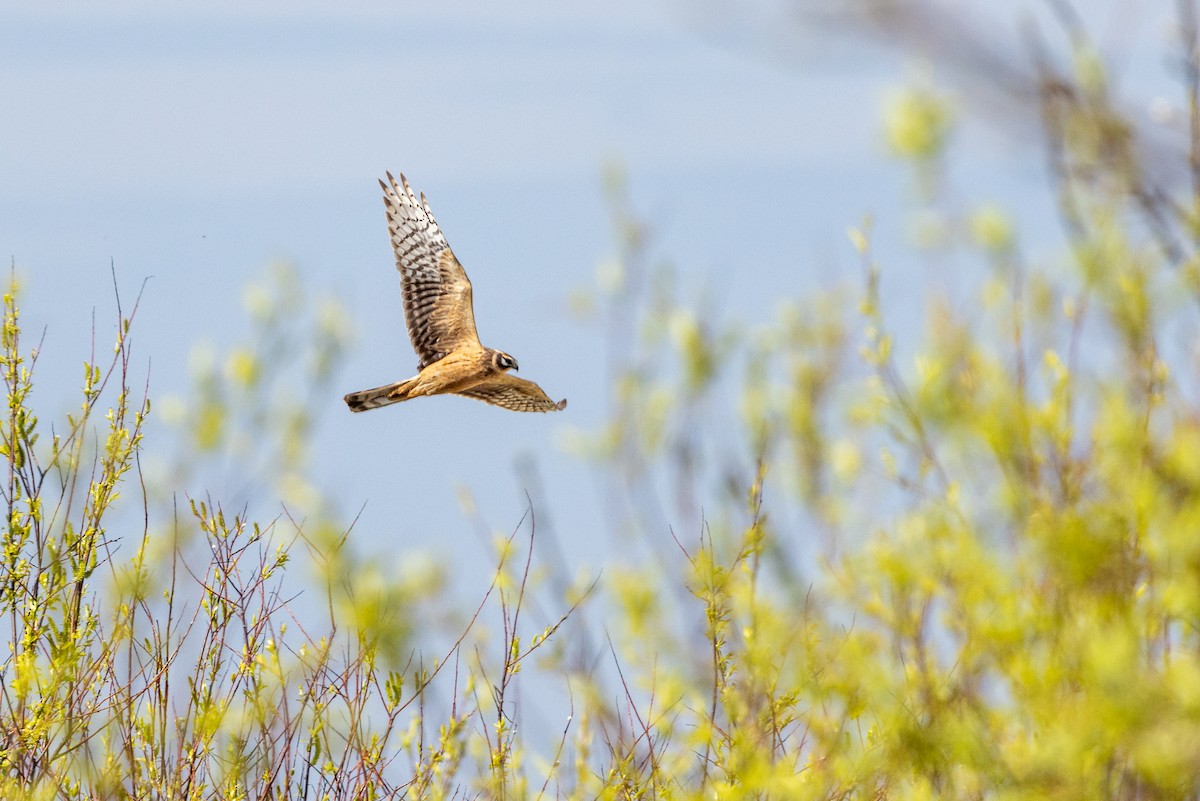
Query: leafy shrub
[[879, 565]]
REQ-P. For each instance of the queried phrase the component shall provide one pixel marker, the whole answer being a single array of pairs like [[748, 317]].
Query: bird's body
[[455, 373], [440, 320]]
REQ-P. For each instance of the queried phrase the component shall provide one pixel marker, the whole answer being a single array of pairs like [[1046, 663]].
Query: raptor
[[441, 321]]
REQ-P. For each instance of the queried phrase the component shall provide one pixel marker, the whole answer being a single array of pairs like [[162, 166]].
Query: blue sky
[[198, 144]]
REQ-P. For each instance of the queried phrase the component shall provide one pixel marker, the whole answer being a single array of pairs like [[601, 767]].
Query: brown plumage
[[441, 321]]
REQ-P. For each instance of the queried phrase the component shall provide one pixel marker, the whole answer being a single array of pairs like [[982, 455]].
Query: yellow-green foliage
[[949, 552]]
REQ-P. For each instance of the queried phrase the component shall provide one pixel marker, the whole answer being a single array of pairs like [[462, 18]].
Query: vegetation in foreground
[[961, 564]]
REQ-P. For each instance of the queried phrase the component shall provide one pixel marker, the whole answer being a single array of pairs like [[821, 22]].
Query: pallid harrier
[[441, 322]]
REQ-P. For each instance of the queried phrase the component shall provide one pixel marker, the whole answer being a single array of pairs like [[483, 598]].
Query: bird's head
[[503, 362]]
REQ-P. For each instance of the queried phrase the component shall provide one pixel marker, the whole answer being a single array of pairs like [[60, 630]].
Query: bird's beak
[[515, 365]]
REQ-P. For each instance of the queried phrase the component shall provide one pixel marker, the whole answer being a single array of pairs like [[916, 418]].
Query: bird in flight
[[440, 320]]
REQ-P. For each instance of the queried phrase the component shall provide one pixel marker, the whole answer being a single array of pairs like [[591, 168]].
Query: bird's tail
[[369, 399]]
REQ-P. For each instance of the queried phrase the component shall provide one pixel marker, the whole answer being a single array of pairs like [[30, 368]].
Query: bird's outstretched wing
[[513, 393], [437, 292]]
